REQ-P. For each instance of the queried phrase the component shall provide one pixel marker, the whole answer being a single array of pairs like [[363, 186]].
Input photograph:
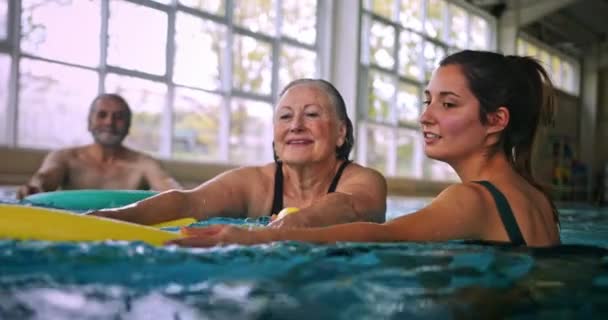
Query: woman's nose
[[297, 123], [426, 118]]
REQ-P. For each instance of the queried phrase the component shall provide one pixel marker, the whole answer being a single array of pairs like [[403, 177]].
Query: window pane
[[299, 20], [382, 44], [432, 56], [296, 63], [252, 65], [3, 19], [250, 132], [378, 141], [198, 52], [408, 104], [380, 91], [384, 8], [212, 6], [567, 77], [435, 17], [556, 70], [545, 59], [521, 47], [256, 15], [458, 27], [196, 125], [531, 50], [137, 37], [408, 161], [46, 27], [480, 33], [5, 67], [54, 103], [410, 50], [146, 99], [410, 14]]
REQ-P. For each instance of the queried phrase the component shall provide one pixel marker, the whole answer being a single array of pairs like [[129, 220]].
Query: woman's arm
[[457, 213], [223, 195]]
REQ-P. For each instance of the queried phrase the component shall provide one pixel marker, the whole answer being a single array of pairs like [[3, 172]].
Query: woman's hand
[[288, 218], [220, 235], [290, 221]]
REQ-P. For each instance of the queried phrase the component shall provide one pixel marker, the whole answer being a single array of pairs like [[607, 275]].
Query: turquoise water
[[290, 280]]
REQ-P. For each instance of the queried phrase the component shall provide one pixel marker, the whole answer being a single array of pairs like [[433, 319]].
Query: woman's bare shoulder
[[467, 196], [354, 170], [249, 175]]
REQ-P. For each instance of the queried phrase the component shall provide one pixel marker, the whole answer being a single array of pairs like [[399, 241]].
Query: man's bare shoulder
[[140, 158], [68, 153]]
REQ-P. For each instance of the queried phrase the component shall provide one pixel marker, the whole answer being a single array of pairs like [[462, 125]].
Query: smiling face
[[109, 122], [450, 123], [306, 126]]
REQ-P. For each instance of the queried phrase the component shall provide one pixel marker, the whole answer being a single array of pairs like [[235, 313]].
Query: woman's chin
[[296, 161]]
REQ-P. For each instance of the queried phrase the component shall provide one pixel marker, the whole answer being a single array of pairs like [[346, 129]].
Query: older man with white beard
[[104, 164]]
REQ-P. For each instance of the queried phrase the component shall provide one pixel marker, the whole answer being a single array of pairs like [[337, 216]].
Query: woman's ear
[[498, 120]]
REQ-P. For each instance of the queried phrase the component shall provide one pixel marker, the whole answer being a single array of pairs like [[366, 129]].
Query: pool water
[[291, 280]]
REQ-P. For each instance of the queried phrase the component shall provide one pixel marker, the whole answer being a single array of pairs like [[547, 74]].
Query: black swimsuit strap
[[334, 183], [277, 199], [506, 214]]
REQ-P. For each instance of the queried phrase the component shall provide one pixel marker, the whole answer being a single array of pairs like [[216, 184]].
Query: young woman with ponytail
[[482, 111]]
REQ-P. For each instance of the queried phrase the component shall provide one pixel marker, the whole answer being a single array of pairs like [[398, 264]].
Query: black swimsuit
[[277, 200], [506, 214]]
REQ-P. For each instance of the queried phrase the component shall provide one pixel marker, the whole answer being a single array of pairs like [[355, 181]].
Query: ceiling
[[572, 26]]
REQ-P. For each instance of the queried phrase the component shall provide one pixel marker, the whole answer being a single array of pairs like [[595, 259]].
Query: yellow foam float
[[35, 223]]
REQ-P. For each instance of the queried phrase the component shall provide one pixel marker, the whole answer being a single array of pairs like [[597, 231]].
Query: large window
[[402, 42], [4, 76], [201, 76], [5, 67], [564, 70]]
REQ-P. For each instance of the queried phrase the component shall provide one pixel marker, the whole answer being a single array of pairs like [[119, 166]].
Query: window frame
[[366, 66], [226, 92]]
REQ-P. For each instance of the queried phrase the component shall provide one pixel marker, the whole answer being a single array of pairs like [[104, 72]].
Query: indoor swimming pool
[[290, 280]]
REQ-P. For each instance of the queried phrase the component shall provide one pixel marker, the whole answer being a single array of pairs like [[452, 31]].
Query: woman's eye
[[426, 102], [284, 116], [312, 114], [448, 105]]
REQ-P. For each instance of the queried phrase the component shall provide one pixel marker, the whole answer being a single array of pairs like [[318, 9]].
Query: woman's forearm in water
[[166, 206], [355, 232]]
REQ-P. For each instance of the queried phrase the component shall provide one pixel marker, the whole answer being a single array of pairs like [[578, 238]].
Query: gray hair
[[337, 101]]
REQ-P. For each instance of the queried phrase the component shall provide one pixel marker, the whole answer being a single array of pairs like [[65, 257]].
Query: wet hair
[[520, 84], [115, 97], [337, 102]]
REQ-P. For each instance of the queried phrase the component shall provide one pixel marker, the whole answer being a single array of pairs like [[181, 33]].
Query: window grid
[[563, 70], [227, 91], [408, 60]]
